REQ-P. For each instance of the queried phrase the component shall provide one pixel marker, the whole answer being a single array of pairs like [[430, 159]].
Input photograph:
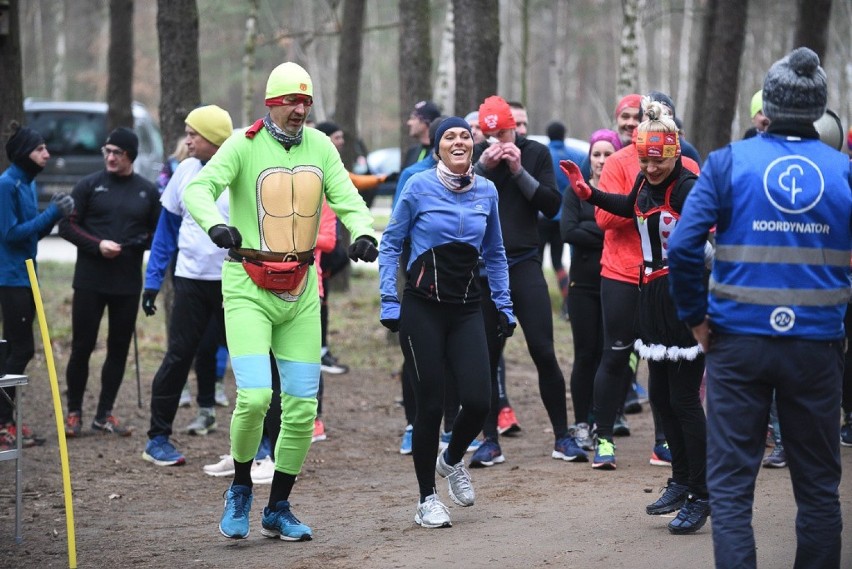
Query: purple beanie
[[605, 134]]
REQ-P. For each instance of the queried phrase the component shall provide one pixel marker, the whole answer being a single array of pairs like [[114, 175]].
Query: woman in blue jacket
[[450, 216]]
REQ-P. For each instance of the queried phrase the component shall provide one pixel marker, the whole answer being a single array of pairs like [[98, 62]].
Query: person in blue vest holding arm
[[781, 203]]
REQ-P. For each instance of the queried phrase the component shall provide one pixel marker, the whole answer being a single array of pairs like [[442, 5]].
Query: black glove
[[149, 296], [225, 236], [364, 249], [505, 329], [391, 324], [64, 202]]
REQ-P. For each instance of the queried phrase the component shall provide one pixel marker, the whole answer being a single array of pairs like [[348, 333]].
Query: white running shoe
[[432, 514], [224, 467], [204, 423], [221, 397], [262, 471], [458, 478], [185, 397]]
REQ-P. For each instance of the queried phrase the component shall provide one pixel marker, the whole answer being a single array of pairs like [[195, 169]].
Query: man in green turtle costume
[[278, 172]]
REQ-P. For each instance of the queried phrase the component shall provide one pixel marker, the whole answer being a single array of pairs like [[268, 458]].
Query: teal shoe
[[235, 518]]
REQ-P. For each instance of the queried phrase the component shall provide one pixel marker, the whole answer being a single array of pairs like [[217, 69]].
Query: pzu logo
[[782, 319]]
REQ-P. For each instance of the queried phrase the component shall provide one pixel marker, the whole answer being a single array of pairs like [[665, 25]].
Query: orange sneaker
[[28, 439], [319, 431], [507, 423]]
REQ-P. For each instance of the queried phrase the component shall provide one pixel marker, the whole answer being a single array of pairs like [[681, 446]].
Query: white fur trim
[[658, 352]]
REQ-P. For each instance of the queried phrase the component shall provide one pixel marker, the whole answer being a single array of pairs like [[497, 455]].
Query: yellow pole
[[57, 411]]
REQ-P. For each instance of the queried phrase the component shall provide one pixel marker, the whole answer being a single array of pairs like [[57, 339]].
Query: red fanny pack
[[276, 276]]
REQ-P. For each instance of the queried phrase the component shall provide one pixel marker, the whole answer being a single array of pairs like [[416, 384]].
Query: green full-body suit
[[275, 200]]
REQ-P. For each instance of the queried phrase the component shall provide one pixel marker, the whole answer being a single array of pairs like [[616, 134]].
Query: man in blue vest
[[782, 206]]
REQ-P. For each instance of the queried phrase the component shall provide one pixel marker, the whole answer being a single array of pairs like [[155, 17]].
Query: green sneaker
[[604, 455]]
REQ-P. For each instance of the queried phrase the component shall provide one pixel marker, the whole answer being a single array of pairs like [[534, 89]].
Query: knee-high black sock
[[242, 473], [282, 485]]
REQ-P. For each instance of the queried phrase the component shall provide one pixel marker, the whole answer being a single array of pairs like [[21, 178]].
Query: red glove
[[578, 184]]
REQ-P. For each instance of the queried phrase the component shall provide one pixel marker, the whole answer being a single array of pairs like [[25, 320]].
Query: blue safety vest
[[782, 263]]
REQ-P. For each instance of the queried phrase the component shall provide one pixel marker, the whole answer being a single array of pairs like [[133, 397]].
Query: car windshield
[[67, 132]]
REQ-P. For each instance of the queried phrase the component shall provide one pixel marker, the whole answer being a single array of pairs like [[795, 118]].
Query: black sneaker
[[673, 498], [329, 364], [691, 517]]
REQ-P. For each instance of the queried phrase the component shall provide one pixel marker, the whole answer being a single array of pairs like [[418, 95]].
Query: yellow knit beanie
[[211, 122], [287, 79]]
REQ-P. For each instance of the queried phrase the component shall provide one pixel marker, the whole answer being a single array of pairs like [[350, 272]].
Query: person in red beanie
[[627, 113], [522, 171]]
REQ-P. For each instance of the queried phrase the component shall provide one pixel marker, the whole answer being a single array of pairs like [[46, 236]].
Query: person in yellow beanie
[[759, 122], [197, 302], [277, 172]]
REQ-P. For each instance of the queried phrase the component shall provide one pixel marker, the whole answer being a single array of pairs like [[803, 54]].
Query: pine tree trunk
[[180, 90], [120, 65]]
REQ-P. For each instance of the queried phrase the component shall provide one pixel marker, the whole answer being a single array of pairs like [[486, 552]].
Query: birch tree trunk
[[60, 74], [445, 81], [246, 113], [682, 93], [120, 65], [628, 62]]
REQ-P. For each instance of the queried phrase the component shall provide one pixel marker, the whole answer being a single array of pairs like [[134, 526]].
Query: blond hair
[[656, 117]]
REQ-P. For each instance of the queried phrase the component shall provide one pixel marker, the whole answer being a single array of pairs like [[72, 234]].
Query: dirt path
[[358, 493]]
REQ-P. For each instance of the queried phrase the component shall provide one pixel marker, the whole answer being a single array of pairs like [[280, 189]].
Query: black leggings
[[87, 309], [584, 308], [196, 313], [673, 388], [18, 315], [531, 305], [437, 340], [618, 301]]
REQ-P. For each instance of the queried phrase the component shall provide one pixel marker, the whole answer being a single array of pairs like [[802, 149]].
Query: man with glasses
[[277, 172], [115, 215]]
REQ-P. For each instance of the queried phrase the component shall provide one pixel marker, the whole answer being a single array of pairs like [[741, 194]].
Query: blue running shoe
[[488, 454], [405, 445], [661, 455], [235, 520], [444, 442], [604, 455], [567, 448], [641, 392], [162, 453], [264, 449], [281, 523], [846, 431]]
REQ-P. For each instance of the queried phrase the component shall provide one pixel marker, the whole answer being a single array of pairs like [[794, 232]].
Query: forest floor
[[356, 491]]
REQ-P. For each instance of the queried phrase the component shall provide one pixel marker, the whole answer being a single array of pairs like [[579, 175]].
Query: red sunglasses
[[292, 100]]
